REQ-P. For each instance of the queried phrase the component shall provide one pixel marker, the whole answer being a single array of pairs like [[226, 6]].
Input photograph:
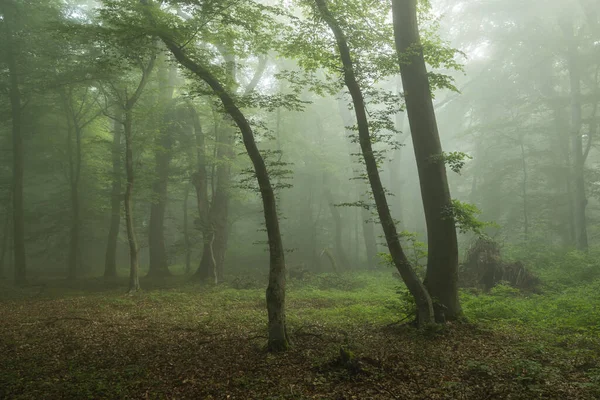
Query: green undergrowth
[[177, 339]]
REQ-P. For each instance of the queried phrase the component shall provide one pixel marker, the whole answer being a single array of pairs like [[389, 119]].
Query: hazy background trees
[[527, 115]]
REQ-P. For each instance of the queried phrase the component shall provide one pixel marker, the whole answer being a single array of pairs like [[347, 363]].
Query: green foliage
[[455, 160], [465, 217]]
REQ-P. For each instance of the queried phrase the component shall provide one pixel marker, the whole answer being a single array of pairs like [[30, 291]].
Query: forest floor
[[186, 341]]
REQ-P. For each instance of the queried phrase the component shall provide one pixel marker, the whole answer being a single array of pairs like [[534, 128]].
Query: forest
[[299, 199]]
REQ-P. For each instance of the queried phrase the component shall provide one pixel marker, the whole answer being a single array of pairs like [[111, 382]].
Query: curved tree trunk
[[442, 261], [110, 261], [414, 285], [275, 294]]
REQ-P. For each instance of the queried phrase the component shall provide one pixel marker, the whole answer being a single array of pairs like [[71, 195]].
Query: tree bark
[[442, 261], [524, 193], [110, 261], [275, 294], [207, 268], [159, 264], [414, 285], [5, 235], [337, 222], [578, 161], [134, 279], [14, 94], [186, 234]]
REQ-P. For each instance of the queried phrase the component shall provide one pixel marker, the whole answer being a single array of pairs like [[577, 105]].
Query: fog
[[218, 144]]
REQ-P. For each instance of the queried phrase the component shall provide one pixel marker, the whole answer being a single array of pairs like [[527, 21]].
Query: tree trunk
[[159, 264], [220, 200], [414, 285], [110, 262], [524, 194], [579, 195], [337, 224], [275, 294], [134, 279], [442, 261], [5, 235], [186, 235], [74, 161], [14, 93], [207, 268]]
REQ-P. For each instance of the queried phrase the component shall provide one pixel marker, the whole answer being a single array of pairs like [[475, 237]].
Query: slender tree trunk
[[134, 280], [524, 193], [158, 252], [5, 235], [110, 261], [275, 294], [14, 94], [416, 288], [74, 161], [207, 268], [337, 224], [579, 195], [442, 261], [220, 200], [186, 234]]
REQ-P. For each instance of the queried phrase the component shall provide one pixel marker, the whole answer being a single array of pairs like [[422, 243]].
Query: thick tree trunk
[[442, 261], [110, 261], [14, 93], [134, 279], [578, 161], [275, 294], [414, 285]]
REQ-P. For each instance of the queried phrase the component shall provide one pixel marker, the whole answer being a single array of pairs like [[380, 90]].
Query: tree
[[10, 13], [110, 260], [162, 155], [442, 261], [275, 294], [416, 288]]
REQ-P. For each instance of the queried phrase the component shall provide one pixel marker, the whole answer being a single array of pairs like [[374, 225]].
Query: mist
[[299, 199]]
